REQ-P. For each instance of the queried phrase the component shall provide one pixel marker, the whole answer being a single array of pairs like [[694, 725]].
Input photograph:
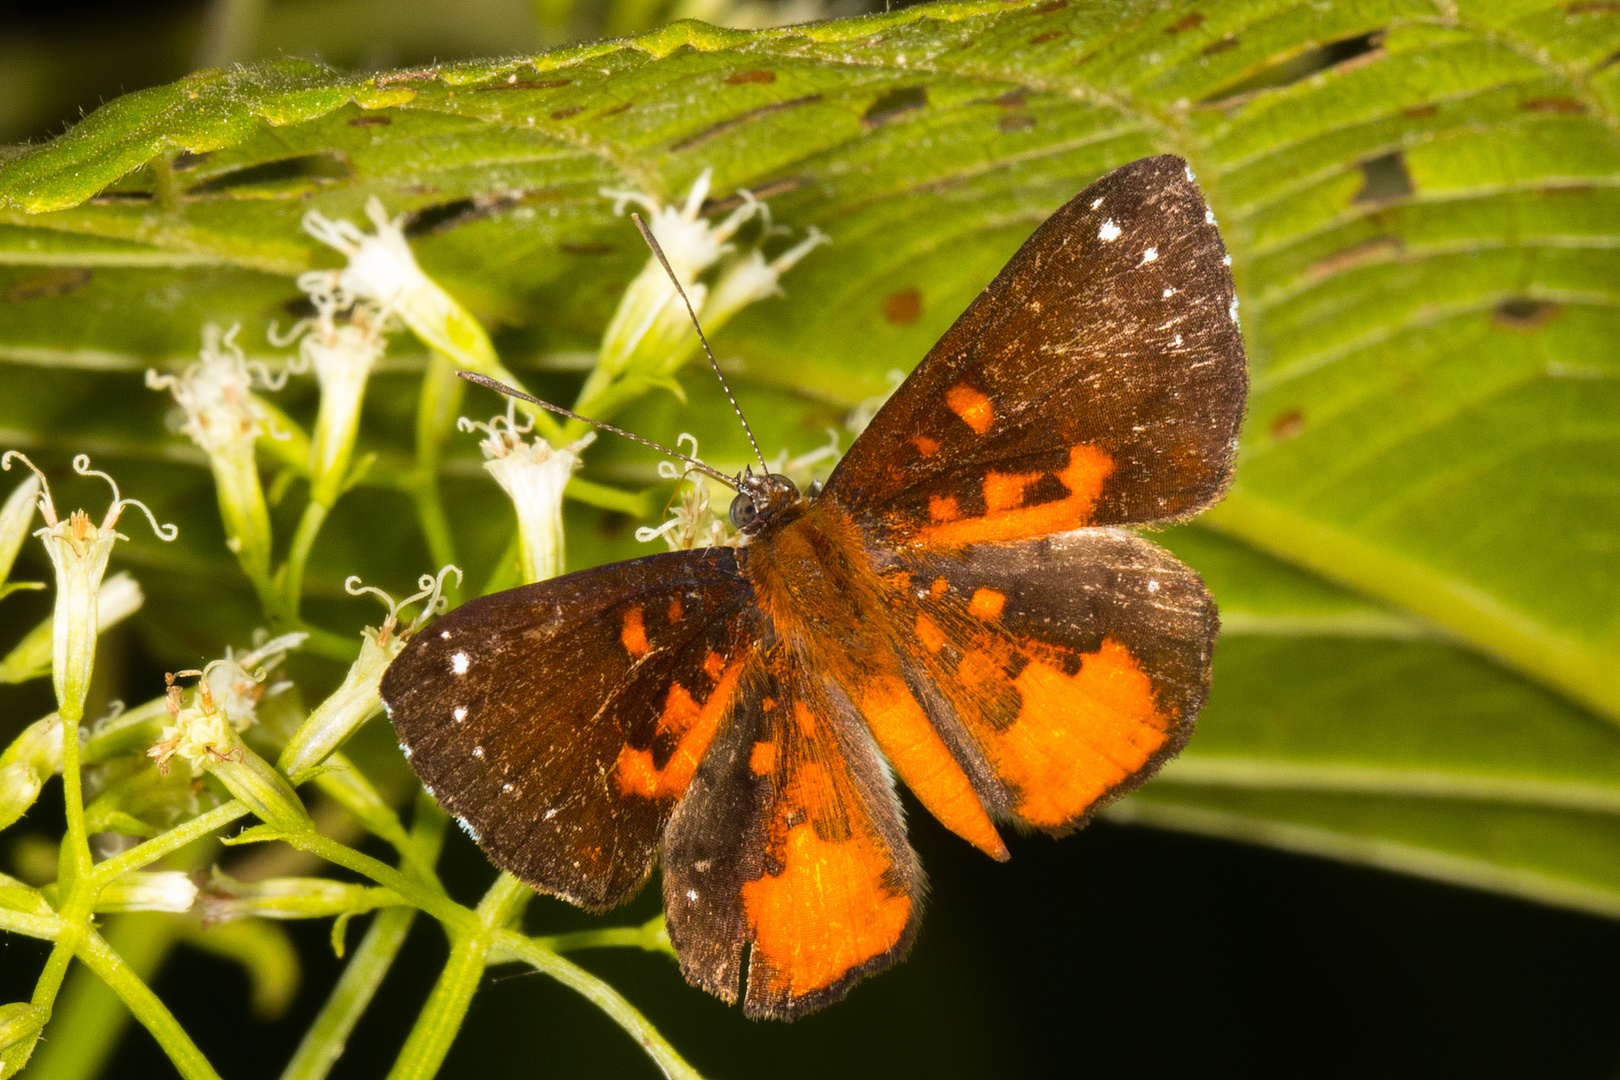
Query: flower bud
[[140, 890], [288, 898], [358, 700], [118, 598], [220, 412], [16, 515], [20, 1021], [31, 759]]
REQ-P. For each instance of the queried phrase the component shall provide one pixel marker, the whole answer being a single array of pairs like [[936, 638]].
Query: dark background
[[1119, 949]]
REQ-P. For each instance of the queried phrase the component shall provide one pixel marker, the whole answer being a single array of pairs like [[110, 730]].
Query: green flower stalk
[[357, 699], [534, 474], [226, 899], [140, 890], [220, 412]]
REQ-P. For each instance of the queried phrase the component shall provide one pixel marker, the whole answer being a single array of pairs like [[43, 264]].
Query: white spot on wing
[[1178, 339], [460, 714], [1226, 260], [466, 827], [445, 634], [1150, 255], [1153, 586], [691, 894], [549, 814], [1108, 231], [458, 663], [1209, 217], [1096, 203], [1190, 175], [1168, 293], [1232, 311], [478, 752], [405, 750]]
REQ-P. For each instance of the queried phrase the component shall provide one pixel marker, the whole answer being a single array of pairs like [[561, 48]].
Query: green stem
[[75, 917], [649, 935], [173, 840], [91, 1012], [189, 1061], [441, 1018], [326, 1038], [75, 861], [309, 527], [603, 997], [427, 896]]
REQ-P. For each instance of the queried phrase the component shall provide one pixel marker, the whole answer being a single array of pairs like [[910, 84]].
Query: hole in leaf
[[452, 215], [1288, 425], [895, 103], [316, 167], [1190, 21], [903, 307], [1384, 177], [1525, 313], [185, 160], [370, 120], [741, 77], [1365, 47], [50, 284]]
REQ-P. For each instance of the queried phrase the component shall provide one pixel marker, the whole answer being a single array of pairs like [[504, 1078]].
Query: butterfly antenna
[[512, 392], [652, 242]]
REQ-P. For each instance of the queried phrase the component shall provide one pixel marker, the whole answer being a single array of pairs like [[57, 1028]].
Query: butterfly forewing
[[561, 722], [1098, 380]]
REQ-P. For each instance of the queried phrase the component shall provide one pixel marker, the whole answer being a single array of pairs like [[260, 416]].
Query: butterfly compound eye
[[743, 511]]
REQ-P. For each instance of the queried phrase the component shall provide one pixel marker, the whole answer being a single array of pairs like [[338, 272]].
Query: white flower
[[15, 517], [534, 474]]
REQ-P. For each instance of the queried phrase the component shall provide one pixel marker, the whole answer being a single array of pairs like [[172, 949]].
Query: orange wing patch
[[972, 406], [633, 635], [694, 724], [1007, 518]]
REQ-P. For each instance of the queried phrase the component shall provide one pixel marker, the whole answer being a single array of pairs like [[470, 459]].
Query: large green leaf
[[1423, 206]]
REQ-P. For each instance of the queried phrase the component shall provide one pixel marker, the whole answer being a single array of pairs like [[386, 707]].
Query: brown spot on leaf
[[52, 283], [1190, 21], [903, 307], [719, 128], [1421, 112], [1215, 48], [1050, 35], [1525, 313], [1012, 99], [1016, 122], [741, 77], [585, 249], [1288, 425], [371, 120], [1592, 7], [563, 114], [616, 110], [1552, 105], [1047, 9]]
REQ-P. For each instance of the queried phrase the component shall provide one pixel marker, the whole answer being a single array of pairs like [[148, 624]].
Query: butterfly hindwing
[[1098, 380], [562, 721], [1064, 670], [789, 844]]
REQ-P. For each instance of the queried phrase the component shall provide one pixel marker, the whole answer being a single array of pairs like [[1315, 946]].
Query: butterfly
[[960, 607]]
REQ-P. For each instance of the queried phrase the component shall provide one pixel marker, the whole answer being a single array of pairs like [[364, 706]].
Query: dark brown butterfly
[[959, 607]]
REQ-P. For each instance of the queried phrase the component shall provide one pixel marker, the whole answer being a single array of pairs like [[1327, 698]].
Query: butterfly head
[[759, 498]]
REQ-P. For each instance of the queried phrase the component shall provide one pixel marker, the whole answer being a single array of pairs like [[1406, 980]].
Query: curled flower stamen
[[47, 509]]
